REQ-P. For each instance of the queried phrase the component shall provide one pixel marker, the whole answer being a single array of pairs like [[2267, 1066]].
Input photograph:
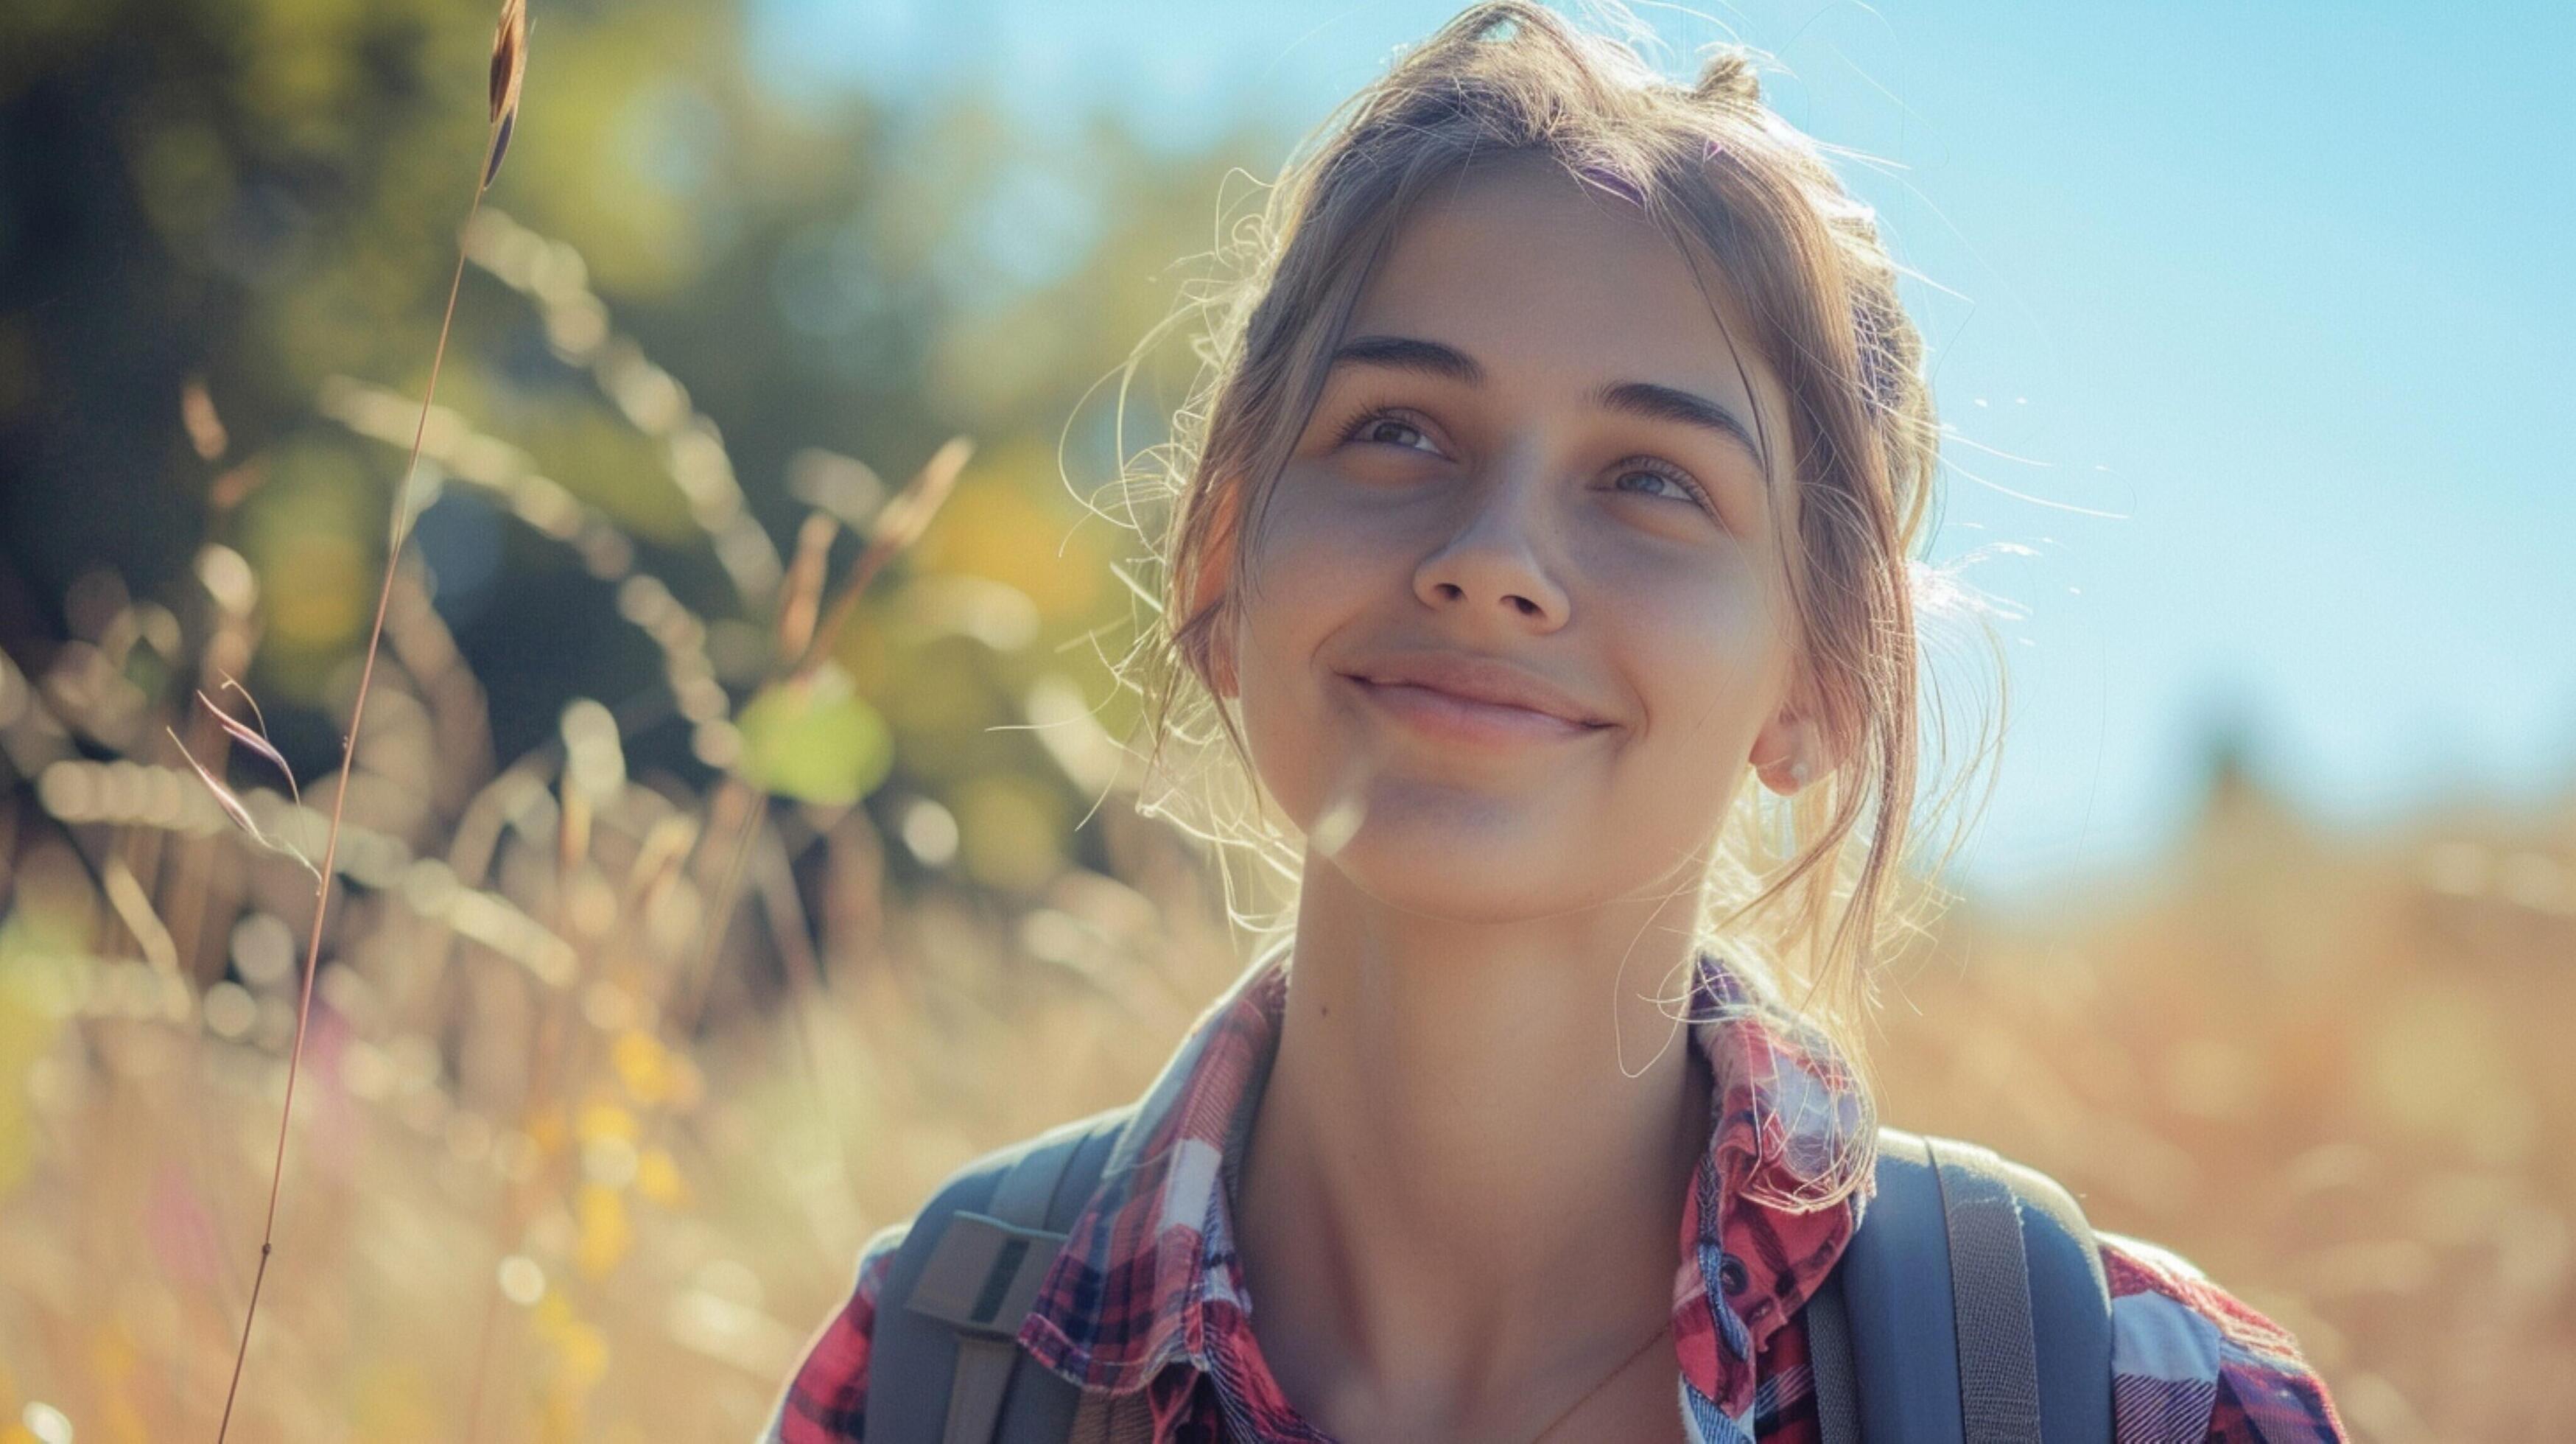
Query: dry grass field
[[543, 1176]]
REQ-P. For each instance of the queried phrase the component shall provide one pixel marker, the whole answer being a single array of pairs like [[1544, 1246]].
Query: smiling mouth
[[1457, 719]]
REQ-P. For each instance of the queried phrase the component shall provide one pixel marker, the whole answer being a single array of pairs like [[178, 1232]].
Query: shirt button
[[1730, 1273]]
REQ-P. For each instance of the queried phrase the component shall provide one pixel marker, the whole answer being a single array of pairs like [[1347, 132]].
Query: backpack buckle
[[983, 1275]]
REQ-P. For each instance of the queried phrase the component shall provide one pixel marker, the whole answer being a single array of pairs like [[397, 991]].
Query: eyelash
[[1653, 466]]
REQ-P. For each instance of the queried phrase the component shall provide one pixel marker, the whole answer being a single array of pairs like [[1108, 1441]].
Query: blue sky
[[2249, 321]]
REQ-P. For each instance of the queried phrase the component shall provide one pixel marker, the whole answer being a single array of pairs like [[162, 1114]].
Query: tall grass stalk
[[805, 645], [509, 67]]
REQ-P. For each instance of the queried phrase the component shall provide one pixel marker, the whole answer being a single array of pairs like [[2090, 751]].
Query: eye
[[1387, 428], [1663, 471]]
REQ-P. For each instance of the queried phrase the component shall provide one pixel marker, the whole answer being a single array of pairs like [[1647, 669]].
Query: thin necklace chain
[[1660, 1330]]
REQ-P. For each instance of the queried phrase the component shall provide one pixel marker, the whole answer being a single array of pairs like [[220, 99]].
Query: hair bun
[[1728, 75]]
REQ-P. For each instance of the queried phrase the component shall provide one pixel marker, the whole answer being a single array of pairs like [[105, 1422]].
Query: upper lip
[[1479, 679]]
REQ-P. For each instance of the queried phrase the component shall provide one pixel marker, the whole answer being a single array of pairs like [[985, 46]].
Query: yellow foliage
[[657, 1177], [602, 1233], [607, 1120], [642, 1064], [1011, 521]]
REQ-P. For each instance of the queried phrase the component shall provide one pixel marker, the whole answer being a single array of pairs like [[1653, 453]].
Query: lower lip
[[1457, 719]]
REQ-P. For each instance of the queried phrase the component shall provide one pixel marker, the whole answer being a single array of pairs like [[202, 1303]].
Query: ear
[[1793, 749]]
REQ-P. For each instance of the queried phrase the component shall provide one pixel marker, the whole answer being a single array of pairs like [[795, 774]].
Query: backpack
[[1971, 1304]]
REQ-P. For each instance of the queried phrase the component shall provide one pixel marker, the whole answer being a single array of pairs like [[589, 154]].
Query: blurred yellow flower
[[546, 1130], [603, 1233], [657, 1177], [642, 1064], [607, 1120]]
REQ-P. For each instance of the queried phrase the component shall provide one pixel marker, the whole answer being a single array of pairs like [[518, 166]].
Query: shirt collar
[[1148, 1272]]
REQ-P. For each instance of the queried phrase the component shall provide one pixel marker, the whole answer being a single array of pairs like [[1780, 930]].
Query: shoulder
[[826, 1400], [2193, 1364]]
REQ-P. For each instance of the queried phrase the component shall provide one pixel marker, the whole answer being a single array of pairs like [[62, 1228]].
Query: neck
[[1466, 1172]]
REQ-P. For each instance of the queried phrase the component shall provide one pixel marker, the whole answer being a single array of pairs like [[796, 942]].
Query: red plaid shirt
[[1148, 1292]]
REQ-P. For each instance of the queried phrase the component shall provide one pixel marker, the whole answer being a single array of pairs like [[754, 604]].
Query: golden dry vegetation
[[521, 1181]]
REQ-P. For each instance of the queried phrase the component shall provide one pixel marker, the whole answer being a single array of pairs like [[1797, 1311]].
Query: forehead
[[1557, 287]]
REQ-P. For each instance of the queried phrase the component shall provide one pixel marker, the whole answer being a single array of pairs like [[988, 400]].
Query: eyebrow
[[1642, 399]]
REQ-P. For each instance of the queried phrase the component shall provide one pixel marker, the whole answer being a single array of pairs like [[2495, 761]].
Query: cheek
[[1310, 573], [1317, 561], [1704, 674], [1703, 655]]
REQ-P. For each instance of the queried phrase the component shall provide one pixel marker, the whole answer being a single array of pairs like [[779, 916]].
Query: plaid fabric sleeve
[[1784, 1402], [826, 1401], [2193, 1364]]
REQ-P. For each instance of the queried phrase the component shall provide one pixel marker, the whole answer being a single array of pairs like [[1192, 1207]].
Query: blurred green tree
[[261, 194]]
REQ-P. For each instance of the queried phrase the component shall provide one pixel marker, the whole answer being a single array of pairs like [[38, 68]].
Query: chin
[[1478, 874]]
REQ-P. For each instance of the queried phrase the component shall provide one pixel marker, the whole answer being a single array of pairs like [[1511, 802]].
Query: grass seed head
[[509, 66]]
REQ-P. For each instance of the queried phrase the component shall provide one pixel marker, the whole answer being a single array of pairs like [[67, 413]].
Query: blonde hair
[[1733, 184]]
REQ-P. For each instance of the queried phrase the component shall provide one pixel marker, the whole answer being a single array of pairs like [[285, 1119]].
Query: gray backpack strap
[[1989, 1294], [981, 1280], [2070, 1306], [1829, 1358], [1970, 1305], [944, 1364]]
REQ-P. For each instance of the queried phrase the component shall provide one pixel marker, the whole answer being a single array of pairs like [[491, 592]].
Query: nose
[[1494, 555]]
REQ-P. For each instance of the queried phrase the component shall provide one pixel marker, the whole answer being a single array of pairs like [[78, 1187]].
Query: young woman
[[1561, 468]]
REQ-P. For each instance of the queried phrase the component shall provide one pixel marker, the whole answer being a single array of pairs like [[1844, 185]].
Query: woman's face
[[1536, 447]]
